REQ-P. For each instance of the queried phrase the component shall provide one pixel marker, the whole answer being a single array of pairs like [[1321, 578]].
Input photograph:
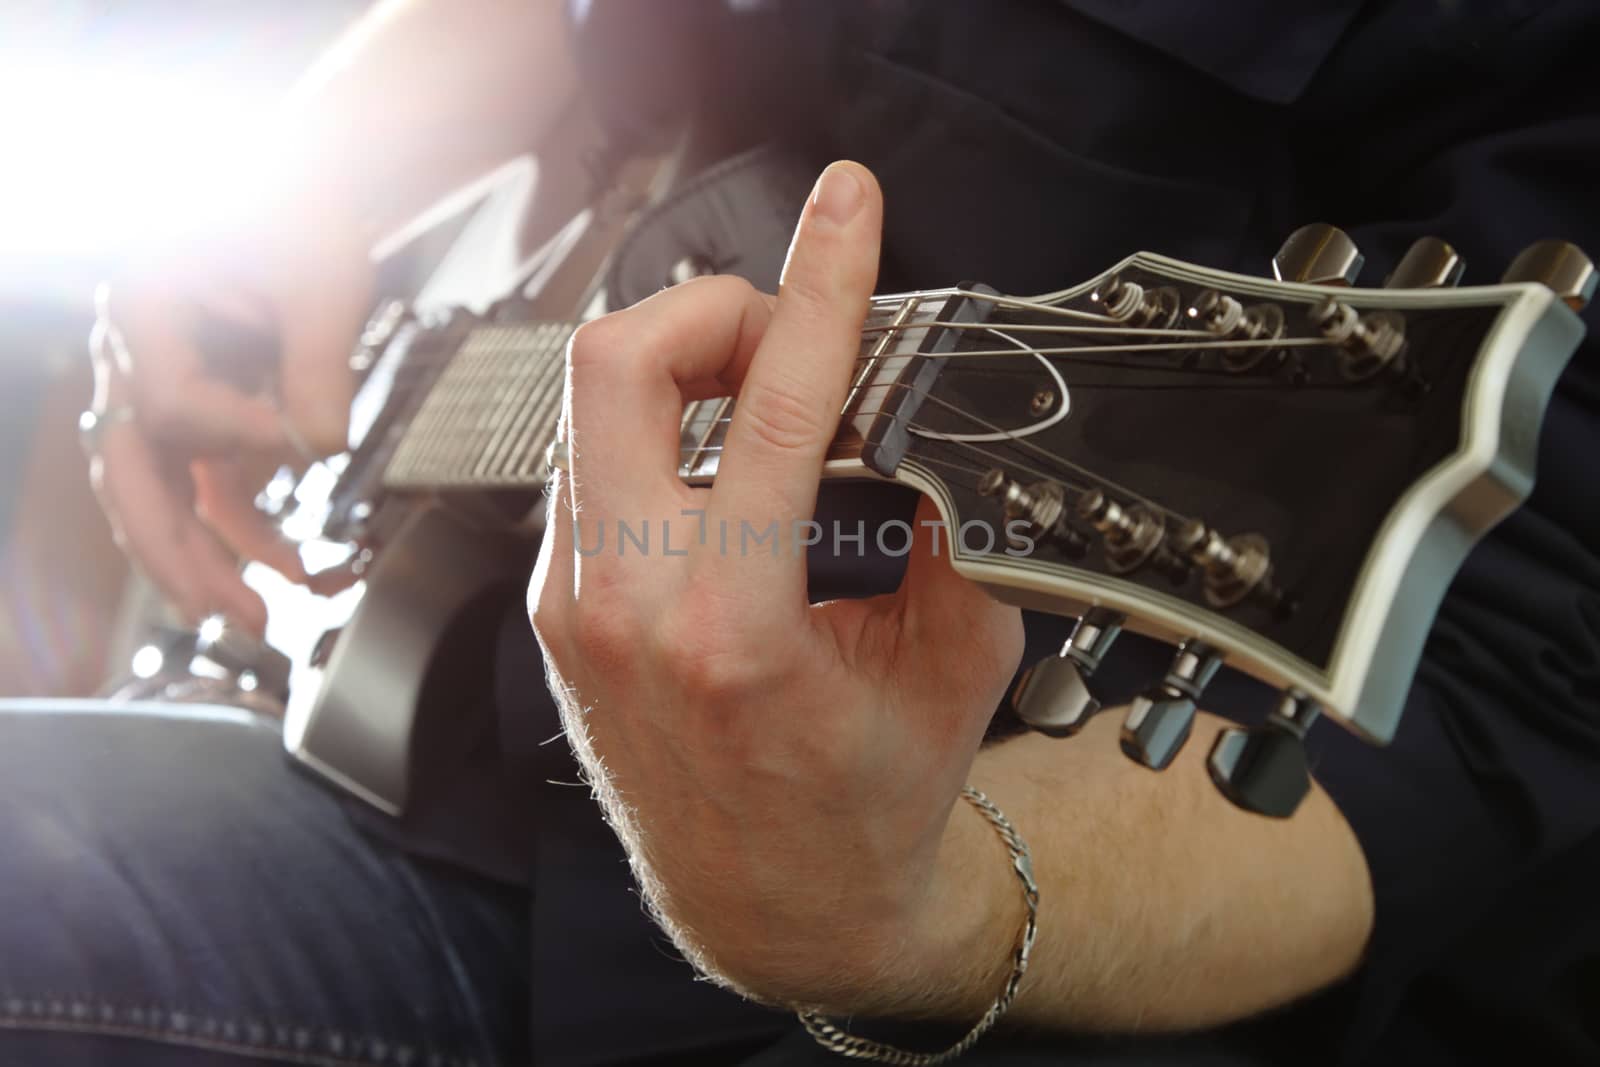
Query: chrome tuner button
[[1318, 254], [1428, 264], [1265, 770], [1054, 697], [1557, 265], [1160, 718]]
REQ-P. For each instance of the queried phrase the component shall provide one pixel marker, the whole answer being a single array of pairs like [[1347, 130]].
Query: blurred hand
[[784, 775], [179, 477]]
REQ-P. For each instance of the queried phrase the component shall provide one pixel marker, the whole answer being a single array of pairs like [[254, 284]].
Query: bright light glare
[[211, 629], [99, 157], [147, 662]]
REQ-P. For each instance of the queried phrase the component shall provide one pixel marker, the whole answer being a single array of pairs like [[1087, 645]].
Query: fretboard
[[488, 419]]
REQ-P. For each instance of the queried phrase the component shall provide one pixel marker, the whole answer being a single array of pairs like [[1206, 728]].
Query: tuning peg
[[1054, 697], [1159, 719], [1558, 265], [1318, 254], [1428, 264], [1265, 770]]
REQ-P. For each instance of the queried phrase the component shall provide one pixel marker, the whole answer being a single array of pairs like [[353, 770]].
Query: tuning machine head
[[1160, 718], [1428, 264], [1558, 265], [1264, 770], [1318, 254], [1054, 696]]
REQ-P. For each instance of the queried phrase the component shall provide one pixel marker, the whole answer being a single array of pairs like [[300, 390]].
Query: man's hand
[[785, 776], [179, 478]]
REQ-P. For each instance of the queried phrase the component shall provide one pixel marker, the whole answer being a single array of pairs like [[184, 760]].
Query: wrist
[[966, 932]]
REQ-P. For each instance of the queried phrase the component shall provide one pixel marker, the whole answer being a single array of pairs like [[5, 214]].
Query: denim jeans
[[174, 892]]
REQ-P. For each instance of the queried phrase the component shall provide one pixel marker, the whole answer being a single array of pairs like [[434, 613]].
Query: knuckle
[[606, 633], [779, 416], [708, 665], [597, 341], [546, 612]]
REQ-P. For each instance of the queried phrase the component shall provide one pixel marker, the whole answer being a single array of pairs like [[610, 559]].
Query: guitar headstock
[[1280, 474]]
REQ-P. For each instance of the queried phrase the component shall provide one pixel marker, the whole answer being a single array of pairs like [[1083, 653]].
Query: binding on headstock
[[1281, 475]]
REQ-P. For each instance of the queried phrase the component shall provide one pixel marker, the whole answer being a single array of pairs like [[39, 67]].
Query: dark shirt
[[1030, 145]]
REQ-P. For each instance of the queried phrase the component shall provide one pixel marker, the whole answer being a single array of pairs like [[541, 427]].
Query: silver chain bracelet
[[834, 1039]]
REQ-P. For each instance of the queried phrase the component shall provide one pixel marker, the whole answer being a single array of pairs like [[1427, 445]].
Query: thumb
[[944, 613]]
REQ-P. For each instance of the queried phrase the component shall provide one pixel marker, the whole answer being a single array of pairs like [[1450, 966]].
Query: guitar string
[[1026, 327], [1018, 442], [546, 349], [1135, 349], [895, 301], [970, 446]]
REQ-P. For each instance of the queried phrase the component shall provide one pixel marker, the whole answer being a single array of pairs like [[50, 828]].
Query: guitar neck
[[491, 413]]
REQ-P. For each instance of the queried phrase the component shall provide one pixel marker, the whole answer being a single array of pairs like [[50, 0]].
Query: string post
[[1132, 534], [1227, 319], [1367, 344], [1042, 505], [1234, 568], [1127, 301]]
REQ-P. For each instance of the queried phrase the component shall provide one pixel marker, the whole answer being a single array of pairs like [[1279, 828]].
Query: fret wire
[[523, 424], [705, 438], [505, 451], [539, 429], [879, 350], [500, 421]]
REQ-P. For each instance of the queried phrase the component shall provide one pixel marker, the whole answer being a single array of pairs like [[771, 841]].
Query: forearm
[[1162, 906], [419, 97]]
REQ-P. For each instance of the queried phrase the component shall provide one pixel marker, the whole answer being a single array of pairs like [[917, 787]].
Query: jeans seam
[[281, 1042], [459, 979]]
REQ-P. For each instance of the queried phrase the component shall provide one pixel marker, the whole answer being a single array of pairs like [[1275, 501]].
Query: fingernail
[[838, 193]]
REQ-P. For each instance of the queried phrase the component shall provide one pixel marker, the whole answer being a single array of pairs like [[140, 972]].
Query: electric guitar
[[1281, 474]]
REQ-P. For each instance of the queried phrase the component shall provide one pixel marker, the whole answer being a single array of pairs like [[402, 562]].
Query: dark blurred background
[[117, 117]]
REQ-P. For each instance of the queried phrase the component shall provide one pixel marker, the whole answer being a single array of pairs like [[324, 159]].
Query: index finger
[[787, 410]]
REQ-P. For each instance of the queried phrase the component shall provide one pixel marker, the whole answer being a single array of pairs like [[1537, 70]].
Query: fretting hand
[[785, 776]]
